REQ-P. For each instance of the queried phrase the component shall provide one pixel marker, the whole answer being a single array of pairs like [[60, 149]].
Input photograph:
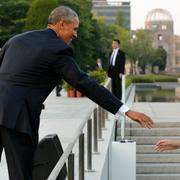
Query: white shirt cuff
[[123, 109]]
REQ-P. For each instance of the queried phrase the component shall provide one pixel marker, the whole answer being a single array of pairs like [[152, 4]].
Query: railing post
[[71, 167], [95, 131], [106, 115], [103, 118], [81, 157], [99, 124], [123, 119], [89, 145]]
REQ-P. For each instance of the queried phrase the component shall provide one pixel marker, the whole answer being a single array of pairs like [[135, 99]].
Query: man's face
[[115, 44], [68, 29]]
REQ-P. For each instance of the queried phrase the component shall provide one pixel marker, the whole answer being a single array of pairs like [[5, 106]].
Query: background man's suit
[[114, 71], [31, 65]]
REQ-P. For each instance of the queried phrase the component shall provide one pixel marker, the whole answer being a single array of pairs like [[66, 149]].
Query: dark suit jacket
[[32, 64], [114, 71]]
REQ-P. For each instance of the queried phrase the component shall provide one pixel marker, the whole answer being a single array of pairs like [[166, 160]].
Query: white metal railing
[[123, 118]]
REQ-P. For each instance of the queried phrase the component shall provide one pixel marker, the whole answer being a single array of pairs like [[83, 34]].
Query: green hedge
[[99, 75], [150, 78]]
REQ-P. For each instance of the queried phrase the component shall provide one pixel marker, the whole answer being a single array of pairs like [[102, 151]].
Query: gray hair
[[61, 12]]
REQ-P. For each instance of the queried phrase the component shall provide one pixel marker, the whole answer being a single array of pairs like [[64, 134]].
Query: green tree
[[120, 19], [160, 58], [132, 52], [12, 18], [140, 49], [38, 14], [101, 40], [116, 31]]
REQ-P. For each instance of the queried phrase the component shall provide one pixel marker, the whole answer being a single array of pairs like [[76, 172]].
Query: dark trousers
[[19, 151], [117, 87]]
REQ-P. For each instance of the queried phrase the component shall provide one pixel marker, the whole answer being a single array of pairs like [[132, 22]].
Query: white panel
[[124, 160]]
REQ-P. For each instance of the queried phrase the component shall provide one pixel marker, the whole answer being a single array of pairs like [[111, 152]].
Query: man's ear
[[61, 24]]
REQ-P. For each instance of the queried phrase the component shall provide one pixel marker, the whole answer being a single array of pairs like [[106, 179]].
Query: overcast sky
[[140, 8]]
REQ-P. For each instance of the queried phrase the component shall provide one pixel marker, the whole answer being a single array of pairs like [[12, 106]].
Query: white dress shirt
[[113, 56], [123, 109]]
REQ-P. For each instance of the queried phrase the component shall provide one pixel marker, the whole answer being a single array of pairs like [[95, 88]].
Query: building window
[[160, 47], [160, 37], [177, 59], [164, 27], [177, 46], [154, 26]]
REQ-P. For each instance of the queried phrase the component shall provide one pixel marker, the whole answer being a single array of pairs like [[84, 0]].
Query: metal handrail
[[123, 118], [57, 168], [67, 151]]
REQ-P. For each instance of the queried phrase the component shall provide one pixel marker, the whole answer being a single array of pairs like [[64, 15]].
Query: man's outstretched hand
[[142, 119]]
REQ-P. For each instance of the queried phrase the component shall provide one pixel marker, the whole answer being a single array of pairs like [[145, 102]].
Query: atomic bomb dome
[[159, 22], [159, 15]]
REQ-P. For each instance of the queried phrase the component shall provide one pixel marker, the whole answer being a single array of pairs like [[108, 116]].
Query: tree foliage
[[38, 14], [101, 41], [12, 18], [160, 58], [140, 49], [120, 19]]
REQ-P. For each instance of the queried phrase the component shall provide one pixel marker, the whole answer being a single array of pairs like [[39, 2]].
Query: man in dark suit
[[31, 65], [116, 68]]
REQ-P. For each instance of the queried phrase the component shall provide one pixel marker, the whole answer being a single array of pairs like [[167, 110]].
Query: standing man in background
[[99, 63], [116, 68]]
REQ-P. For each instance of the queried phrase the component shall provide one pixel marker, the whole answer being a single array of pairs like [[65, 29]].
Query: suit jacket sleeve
[[121, 62], [67, 68]]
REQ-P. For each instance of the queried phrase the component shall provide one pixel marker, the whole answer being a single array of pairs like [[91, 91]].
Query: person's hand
[[165, 144], [142, 119]]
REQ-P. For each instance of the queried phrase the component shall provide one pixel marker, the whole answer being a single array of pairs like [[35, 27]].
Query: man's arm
[[70, 72]]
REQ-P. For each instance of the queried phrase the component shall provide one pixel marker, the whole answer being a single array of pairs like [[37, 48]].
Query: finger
[[159, 148], [149, 122], [161, 142], [149, 125], [143, 123]]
